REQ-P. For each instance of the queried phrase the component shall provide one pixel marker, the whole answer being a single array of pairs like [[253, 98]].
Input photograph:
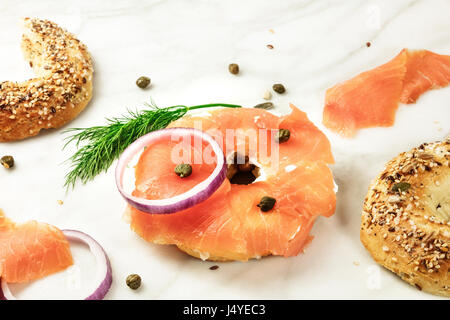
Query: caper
[[233, 68], [266, 203], [264, 105], [7, 161], [401, 187], [282, 135], [278, 87], [134, 281], [143, 82], [183, 170]]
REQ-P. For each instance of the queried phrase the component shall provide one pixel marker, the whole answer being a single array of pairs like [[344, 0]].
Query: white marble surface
[[185, 47]]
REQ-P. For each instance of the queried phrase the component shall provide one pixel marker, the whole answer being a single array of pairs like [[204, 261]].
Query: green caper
[[279, 88], [401, 187], [7, 162], [183, 170], [282, 135], [266, 203], [134, 281], [143, 82], [264, 105], [233, 68]]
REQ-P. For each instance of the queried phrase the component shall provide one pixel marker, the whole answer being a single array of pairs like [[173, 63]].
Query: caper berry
[[7, 161], [183, 170], [401, 187], [134, 281], [279, 88], [143, 82], [266, 203], [233, 68], [282, 135], [264, 105]]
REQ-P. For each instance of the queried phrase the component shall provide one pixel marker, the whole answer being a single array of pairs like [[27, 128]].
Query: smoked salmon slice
[[31, 250], [229, 225], [371, 98]]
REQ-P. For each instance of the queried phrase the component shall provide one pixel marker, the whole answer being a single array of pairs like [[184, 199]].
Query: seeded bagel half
[[406, 217], [62, 87]]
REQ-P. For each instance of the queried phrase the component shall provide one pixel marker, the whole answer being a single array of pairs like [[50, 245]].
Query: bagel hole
[[437, 200], [241, 170]]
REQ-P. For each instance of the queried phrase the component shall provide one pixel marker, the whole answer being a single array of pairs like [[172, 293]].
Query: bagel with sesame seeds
[[62, 87], [406, 217]]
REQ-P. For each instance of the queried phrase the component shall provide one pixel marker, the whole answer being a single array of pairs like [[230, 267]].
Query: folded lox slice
[[371, 98], [31, 250]]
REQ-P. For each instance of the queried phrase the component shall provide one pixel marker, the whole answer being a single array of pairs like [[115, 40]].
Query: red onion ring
[[197, 194], [102, 261]]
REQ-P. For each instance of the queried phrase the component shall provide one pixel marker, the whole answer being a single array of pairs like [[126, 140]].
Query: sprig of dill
[[99, 146]]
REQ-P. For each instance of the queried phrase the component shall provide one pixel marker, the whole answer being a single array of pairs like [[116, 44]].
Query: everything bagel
[[62, 87], [406, 217]]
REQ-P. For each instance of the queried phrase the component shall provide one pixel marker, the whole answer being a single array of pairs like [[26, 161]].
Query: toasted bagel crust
[[408, 231], [61, 90]]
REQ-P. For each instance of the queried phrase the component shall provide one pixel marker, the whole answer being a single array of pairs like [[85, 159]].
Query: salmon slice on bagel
[[277, 185]]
